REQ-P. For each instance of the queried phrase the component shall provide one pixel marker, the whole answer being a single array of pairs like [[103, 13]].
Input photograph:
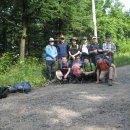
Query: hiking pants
[[51, 68], [108, 74]]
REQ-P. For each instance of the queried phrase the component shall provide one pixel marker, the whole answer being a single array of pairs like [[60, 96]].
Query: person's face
[[99, 60], [52, 43], [94, 40], [73, 41], [84, 41], [86, 61], [64, 59], [108, 39], [62, 40], [77, 59]]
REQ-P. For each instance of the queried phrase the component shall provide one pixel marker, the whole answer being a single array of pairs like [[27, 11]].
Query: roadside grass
[[34, 71], [30, 71], [122, 59]]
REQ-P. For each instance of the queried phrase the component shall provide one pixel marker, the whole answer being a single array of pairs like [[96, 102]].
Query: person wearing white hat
[[51, 54], [95, 49], [84, 48]]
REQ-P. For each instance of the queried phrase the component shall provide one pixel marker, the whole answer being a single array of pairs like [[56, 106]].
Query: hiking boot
[[110, 82]]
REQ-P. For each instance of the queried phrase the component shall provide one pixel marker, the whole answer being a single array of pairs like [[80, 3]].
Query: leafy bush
[[5, 62], [30, 70], [122, 59]]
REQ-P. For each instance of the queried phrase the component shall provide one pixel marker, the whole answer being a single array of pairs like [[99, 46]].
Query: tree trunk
[[22, 44], [24, 31]]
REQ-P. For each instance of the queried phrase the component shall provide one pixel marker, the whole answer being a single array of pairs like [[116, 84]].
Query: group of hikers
[[81, 62]]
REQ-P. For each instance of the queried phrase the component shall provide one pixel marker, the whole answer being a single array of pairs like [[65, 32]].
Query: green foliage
[[122, 59], [5, 62], [30, 70], [49, 18]]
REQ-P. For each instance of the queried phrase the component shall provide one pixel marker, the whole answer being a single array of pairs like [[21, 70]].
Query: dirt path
[[70, 107]]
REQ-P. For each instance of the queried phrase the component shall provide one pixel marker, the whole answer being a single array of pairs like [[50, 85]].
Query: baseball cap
[[94, 37], [98, 57], [84, 38], [108, 36], [51, 39], [62, 36]]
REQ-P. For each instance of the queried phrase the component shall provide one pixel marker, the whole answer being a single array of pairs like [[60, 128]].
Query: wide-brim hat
[[51, 39], [59, 74], [74, 38]]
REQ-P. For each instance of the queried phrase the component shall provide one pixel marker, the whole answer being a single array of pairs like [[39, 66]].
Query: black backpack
[[4, 91]]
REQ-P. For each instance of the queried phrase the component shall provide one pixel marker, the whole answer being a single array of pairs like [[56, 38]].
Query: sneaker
[[110, 82]]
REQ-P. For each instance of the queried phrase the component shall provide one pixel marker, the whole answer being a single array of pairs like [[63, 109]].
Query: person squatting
[[81, 61]]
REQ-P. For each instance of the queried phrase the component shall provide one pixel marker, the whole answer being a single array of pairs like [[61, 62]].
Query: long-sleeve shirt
[[51, 52], [109, 47], [62, 49]]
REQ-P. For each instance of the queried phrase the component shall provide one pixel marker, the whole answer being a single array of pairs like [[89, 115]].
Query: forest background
[[26, 26]]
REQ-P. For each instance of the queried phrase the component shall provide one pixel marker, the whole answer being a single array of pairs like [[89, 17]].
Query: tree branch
[[8, 20]]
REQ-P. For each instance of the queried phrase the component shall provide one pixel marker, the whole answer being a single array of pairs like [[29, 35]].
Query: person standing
[[62, 49], [109, 47], [95, 49], [84, 48], [74, 50], [51, 54]]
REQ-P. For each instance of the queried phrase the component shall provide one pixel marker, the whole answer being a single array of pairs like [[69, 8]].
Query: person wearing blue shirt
[[62, 49], [51, 54]]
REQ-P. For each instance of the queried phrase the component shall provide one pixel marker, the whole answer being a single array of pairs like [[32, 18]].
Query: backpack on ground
[[4, 91], [23, 87]]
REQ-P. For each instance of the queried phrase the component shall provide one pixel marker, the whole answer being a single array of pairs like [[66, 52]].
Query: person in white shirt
[[84, 48]]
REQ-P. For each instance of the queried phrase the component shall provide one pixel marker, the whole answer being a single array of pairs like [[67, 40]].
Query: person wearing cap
[[109, 47], [74, 49], [95, 49], [62, 49], [51, 54], [105, 69], [84, 48]]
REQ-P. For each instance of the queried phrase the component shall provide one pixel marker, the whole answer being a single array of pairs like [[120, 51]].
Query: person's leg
[[84, 77], [110, 76], [53, 69], [103, 75], [59, 63], [92, 76], [48, 65], [71, 62]]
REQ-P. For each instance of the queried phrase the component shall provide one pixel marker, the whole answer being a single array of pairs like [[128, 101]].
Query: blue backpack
[[23, 87]]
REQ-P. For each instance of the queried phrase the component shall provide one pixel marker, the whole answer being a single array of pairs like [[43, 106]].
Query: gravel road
[[70, 107]]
